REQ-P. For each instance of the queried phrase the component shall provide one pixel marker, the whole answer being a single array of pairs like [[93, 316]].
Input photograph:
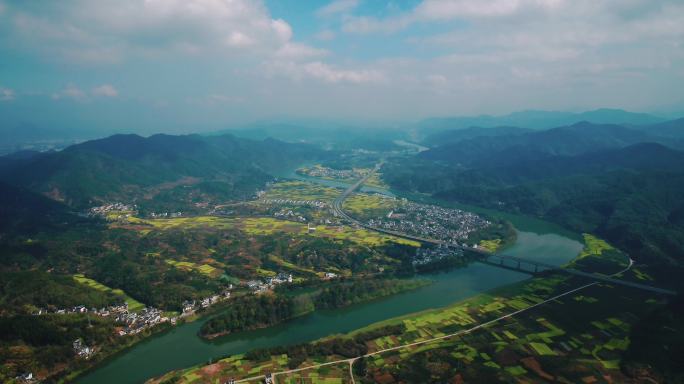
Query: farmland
[[348, 176], [133, 305], [205, 269], [268, 226], [301, 190], [542, 344], [363, 205]]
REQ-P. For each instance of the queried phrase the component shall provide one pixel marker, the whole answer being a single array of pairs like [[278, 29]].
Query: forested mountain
[[633, 195], [672, 129], [454, 136], [131, 167], [536, 120], [328, 135], [25, 212], [576, 139]]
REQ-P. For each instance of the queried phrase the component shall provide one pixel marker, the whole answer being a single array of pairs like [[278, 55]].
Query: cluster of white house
[[164, 215], [191, 306], [136, 322], [325, 172], [289, 214], [429, 255], [310, 203], [104, 312], [113, 207], [82, 350], [258, 286], [431, 221]]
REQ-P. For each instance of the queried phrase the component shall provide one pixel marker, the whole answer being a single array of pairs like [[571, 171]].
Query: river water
[[180, 347]]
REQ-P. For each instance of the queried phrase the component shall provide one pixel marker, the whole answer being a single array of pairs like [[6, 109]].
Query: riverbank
[[254, 313], [419, 328], [180, 347]]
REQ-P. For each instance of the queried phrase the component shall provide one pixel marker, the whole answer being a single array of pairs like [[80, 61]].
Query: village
[[430, 221], [329, 173], [122, 211], [105, 210], [428, 255]]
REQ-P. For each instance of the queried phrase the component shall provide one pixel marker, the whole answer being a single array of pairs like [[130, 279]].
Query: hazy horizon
[[197, 66]]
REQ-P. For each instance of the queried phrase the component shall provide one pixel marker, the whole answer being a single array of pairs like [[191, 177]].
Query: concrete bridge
[[495, 259]]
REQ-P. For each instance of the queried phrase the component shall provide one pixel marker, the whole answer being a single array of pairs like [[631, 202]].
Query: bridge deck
[[337, 208]]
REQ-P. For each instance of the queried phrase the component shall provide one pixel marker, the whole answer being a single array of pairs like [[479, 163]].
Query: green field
[[195, 222], [594, 246], [366, 204], [373, 181], [301, 190], [133, 305], [267, 226], [490, 245], [204, 269]]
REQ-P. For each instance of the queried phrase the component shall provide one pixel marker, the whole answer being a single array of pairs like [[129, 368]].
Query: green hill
[[135, 169], [631, 195]]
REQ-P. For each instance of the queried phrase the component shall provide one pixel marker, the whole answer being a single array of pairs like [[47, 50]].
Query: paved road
[[337, 208], [339, 201], [351, 361]]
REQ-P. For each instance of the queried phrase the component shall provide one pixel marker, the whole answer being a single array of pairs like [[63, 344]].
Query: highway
[[337, 209], [350, 361]]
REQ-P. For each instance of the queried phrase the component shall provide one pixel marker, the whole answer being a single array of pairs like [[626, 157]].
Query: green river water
[[180, 347]]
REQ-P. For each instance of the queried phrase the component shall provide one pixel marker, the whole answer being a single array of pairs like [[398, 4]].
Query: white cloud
[[105, 90], [322, 71], [6, 94], [297, 51], [325, 35], [70, 92], [436, 80], [114, 30], [239, 39], [450, 9], [282, 29], [216, 99], [337, 7], [507, 12]]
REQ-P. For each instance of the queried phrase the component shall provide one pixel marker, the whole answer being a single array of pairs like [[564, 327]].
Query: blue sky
[[197, 65]]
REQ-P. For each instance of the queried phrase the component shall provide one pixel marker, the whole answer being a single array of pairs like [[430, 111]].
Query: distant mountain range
[[26, 212], [490, 146], [327, 136], [134, 169], [625, 183], [535, 120]]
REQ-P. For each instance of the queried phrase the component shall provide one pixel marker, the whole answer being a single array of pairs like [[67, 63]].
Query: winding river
[[180, 347]]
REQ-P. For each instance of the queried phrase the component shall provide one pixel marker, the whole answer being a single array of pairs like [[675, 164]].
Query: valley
[[341, 192], [339, 276]]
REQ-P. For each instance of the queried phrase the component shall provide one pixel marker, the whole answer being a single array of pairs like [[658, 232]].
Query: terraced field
[[584, 347], [301, 190], [369, 205], [205, 269], [594, 246], [373, 181], [490, 245], [267, 226], [133, 305]]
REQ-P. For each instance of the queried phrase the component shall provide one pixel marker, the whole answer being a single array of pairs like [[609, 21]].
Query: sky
[[197, 65]]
